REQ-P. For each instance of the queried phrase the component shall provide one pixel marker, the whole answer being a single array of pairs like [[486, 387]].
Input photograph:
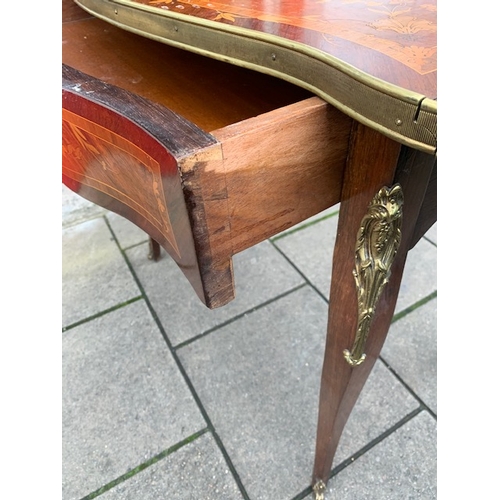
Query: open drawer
[[206, 157]]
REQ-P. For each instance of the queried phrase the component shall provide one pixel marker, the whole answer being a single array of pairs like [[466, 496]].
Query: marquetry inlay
[[99, 158]]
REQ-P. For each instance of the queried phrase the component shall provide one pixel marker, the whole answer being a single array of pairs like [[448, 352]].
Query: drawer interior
[[263, 154], [209, 93]]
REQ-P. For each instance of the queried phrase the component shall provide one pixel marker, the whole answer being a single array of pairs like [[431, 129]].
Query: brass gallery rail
[[377, 65]]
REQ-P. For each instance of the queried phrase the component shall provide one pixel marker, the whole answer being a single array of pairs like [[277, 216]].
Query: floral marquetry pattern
[[97, 157], [404, 30]]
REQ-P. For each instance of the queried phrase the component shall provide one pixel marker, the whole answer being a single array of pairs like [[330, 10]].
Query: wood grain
[[72, 12], [264, 169], [275, 155], [428, 212], [210, 94], [203, 197], [372, 164], [121, 152], [374, 161], [374, 61], [272, 171], [282, 167], [394, 40]]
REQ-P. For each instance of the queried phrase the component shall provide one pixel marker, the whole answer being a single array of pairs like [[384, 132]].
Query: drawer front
[[121, 152]]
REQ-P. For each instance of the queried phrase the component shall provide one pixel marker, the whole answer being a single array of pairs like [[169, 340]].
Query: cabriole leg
[[373, 237]]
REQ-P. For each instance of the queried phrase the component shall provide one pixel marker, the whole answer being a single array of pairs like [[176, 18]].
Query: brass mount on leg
[[319, 490], [377, 243]]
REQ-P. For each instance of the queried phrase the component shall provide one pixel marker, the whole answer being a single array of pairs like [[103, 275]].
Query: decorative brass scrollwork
[[377, 243]]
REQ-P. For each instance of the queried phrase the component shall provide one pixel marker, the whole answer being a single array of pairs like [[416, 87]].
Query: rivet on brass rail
[[377, 243]]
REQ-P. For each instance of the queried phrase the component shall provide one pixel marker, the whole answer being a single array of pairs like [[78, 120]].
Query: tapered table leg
[[361, 309], [154, 250]]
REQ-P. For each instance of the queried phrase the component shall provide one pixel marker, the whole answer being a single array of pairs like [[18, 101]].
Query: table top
[[376, 60]]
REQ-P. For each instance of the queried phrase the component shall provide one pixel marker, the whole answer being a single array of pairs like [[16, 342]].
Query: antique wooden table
[[214, 125]]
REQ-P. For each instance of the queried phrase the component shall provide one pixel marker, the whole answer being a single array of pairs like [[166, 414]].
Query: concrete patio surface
[[165, 399]]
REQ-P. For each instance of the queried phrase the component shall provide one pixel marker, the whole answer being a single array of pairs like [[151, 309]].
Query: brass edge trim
[[405, 116]]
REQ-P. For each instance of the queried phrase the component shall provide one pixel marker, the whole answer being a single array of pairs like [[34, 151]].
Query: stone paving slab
[[411, 351], [419, 276], [311, 250], [259, 381], [76, 209], [124, 399], [256, 372], [126, 233], [197, 471], [383, 403], [95, 276], [403, 466], [261, 274]]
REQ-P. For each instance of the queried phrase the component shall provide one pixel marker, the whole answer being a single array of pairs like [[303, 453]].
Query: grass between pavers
[[413, 307], [145, 465], [102, 313], [235, 318], [306, 492]]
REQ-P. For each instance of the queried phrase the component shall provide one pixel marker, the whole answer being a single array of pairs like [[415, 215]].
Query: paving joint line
[[304, 277], [405, 312], [408, 388], [430, 241], [210, 426], [135, 245], [102, 313], [414, 307], [185, 376], [83, 220], [145, 465], [348, 461], [238, 316]]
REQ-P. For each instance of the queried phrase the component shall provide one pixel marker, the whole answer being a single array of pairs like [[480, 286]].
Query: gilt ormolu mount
[[376, 247]]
